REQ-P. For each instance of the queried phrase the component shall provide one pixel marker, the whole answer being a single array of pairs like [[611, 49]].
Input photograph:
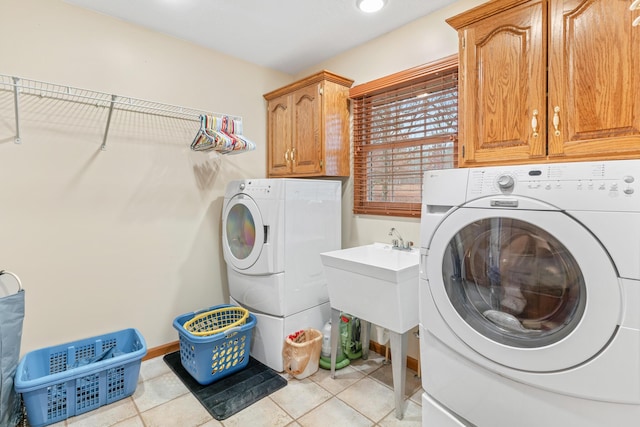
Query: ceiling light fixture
[[370, 6]]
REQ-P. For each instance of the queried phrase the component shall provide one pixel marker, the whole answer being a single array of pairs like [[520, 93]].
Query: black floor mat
[[231, 394]]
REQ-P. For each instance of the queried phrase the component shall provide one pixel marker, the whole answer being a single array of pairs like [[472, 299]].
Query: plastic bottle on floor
[[325, 354]]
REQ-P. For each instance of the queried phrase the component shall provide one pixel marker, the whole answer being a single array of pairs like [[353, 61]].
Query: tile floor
[[360, 395]]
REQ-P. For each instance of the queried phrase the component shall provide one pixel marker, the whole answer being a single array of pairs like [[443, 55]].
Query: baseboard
[[162, 350], [374, 346]]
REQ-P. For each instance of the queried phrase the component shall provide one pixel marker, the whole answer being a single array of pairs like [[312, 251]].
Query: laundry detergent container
[[215, 342], [70, 379]]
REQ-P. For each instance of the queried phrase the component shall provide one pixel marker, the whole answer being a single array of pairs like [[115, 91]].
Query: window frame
[[424, 73]]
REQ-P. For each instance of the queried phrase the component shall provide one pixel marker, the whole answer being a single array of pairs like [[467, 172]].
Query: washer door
[[242, 232], [531, 290]]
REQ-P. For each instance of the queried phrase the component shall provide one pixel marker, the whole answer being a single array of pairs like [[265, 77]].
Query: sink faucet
[[399, 243]]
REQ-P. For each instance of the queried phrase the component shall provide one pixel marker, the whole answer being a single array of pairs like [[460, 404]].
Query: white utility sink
[[378, 284], [375, 282]]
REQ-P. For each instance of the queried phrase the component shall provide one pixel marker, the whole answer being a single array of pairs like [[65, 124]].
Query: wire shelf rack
[[20, 88]]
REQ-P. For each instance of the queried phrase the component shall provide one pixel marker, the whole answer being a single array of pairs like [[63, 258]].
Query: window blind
[[403, 125]]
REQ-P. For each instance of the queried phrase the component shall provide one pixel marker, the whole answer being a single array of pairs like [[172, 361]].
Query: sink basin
[[376, 283]]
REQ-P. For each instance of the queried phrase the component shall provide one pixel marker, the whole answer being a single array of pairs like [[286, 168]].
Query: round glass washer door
[[242, 232], [532, 290]]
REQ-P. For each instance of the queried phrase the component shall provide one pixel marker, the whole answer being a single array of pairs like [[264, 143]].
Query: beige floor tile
[[184, 411], [130, 422], [360, 395], [157, 391], [106, 415], [370, 398], [153, 368], [212, 423], [334, 412], [58, 424], [417, 396], [263, 413], [367, 366], [412, 417], [344, 378], [300, 396], [385, 376]]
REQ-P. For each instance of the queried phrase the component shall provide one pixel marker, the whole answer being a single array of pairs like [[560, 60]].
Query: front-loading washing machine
[[273, 231], [530, 295]]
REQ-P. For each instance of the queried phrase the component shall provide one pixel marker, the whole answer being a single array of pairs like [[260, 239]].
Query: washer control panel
[[254, 187], [562, 184]]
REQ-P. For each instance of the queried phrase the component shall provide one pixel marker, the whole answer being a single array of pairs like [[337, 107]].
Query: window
[[403, 125]]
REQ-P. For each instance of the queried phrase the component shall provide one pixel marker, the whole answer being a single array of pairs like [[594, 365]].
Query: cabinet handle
[[534, 123], [556, 120], [286, 156], [293, 155], [634, 6]]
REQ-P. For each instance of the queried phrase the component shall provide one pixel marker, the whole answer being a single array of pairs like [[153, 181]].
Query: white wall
[[130, 236]]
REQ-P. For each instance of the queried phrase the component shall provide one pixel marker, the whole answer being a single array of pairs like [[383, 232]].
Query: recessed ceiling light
[[370, 6]]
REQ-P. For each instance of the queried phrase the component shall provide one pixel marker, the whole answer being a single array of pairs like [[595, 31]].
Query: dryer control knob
[[505, 182], [242, 186]]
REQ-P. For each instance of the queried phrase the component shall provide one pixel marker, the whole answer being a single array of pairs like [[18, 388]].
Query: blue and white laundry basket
[[11, 317]]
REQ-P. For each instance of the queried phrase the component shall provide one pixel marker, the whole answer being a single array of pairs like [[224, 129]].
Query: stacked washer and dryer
[[530, 295], [273, 231]]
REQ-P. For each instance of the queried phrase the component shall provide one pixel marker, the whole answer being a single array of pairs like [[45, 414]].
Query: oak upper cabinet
[[548, 80], [308, 127]]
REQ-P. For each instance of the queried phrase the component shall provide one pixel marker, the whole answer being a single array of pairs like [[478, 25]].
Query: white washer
[[273, 231], [530, 295]]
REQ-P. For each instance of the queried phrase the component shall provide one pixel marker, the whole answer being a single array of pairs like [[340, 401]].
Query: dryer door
[[242, 232], [531, 290]]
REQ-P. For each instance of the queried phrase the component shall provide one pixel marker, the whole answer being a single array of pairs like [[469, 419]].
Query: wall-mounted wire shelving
[[20, 88]]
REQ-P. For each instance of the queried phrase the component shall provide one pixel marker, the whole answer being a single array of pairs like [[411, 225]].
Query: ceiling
[[285, 35]]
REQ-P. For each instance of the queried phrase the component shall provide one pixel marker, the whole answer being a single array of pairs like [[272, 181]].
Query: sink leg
[[335, 335], [399, 369], [365, 333]]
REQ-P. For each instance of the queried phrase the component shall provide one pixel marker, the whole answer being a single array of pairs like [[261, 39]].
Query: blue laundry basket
[[210, 358], [70, 379]]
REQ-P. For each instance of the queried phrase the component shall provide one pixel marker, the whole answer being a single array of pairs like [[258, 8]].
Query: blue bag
[[11, 317]]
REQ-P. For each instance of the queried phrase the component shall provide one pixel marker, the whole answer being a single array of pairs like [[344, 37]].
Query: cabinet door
[[503, 87], [279, 136], [307, 142], [594, 80]]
